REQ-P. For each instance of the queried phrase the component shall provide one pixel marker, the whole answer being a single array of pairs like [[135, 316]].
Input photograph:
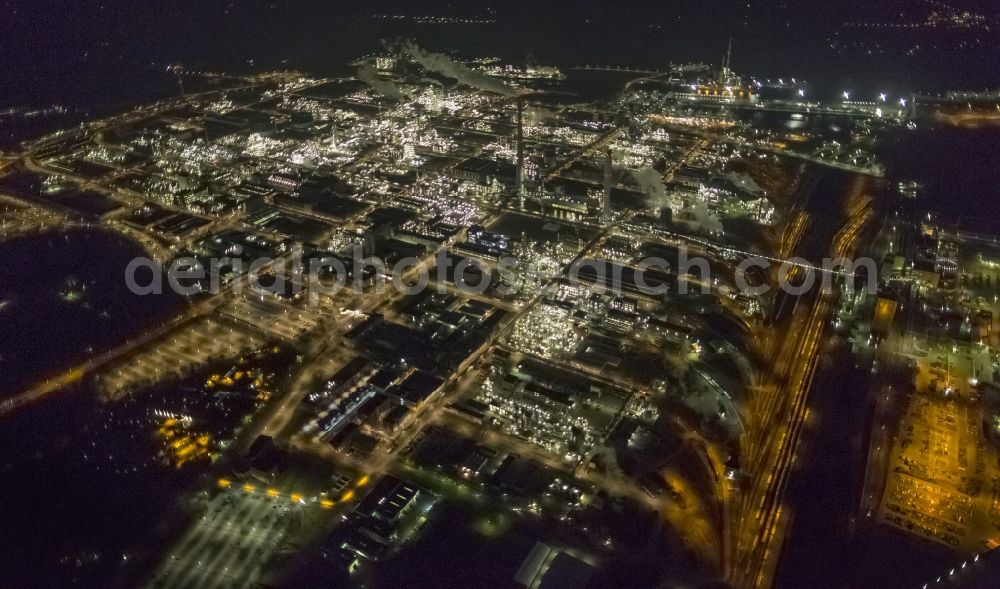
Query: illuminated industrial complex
[[501, 351]]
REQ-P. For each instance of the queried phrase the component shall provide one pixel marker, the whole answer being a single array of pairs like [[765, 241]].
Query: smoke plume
[[697, 216], [444, 65], [536, 115], [368, 75], [651, 182]]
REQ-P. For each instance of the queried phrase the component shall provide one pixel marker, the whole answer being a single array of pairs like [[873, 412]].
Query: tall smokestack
[[520, 150], [729, 54], [608, 180]]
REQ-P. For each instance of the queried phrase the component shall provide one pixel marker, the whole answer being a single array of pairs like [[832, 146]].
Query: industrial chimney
[[520, 151], [608, 182]]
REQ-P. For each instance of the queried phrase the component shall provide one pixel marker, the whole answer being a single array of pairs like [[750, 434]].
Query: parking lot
[[175, 354], [943, 476], [279, 319], [232, 543]]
